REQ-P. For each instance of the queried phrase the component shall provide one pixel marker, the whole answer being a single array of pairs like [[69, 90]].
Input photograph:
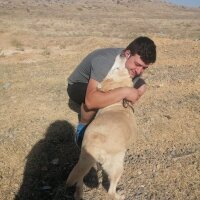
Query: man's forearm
[[98, 99]]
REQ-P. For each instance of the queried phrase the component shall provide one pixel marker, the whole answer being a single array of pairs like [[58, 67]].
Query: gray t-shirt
[[96, 65]]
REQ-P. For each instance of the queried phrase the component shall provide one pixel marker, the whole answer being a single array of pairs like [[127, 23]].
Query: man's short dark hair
[[145, 48]]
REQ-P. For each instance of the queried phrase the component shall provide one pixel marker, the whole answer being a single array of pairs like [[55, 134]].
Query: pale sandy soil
[[40, 45]]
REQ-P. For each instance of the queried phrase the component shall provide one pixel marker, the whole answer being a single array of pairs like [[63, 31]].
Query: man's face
[[134, 65]]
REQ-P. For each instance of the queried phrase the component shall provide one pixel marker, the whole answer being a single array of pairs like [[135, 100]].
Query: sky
[[191, 3]]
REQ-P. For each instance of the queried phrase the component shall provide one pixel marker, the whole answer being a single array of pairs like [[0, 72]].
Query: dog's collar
[[124, 104], [127, 104]]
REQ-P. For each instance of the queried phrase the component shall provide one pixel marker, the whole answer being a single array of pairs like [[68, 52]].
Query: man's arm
[[96, 99]]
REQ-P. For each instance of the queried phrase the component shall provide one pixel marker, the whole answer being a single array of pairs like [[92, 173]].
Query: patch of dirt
[[41, 43]]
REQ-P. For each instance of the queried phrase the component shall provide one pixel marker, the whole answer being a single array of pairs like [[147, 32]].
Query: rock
[[140, 190], [167, 116], [6, 85], [46, 187], [139, 172], [55, 161]]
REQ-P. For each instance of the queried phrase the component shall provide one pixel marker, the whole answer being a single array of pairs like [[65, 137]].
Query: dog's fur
[[108, 136]]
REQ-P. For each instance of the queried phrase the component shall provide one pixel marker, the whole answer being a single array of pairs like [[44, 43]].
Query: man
[[83, 82]]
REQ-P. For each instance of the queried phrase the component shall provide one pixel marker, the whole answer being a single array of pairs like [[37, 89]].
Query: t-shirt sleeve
[[100, 67]]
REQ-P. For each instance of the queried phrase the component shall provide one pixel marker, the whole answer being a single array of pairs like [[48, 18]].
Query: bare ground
[[40, 44]]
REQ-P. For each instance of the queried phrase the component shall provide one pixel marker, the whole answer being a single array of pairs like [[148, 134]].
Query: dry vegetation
[[40, 44]]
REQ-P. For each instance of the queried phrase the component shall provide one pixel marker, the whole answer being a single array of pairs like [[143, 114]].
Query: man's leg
[[85, 118], [86, 115], [77, 92]]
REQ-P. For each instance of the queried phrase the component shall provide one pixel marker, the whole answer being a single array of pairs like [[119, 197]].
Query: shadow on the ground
[[49, 163]]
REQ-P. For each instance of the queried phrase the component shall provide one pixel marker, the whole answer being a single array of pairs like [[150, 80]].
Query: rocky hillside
[[41, 42]]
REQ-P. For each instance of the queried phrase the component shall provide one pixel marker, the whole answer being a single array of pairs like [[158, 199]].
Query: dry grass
[[36, 123]]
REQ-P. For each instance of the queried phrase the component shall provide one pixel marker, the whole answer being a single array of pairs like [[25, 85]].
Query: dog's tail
[[86, 161]]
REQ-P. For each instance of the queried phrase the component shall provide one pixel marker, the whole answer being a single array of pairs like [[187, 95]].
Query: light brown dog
[[107, 137]]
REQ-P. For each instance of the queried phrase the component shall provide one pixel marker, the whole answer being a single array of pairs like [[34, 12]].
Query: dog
[[108, 136]]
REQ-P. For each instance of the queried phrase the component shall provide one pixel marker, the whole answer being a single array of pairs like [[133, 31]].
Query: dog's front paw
[[77, 196], [120, 196], [117, 196]]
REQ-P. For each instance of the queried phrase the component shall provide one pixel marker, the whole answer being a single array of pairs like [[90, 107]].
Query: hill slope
[[41, 42]]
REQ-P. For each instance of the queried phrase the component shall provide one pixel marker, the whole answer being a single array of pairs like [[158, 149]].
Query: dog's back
[[112, 130]]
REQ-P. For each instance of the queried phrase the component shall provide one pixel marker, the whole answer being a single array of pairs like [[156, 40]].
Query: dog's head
[[118, 78]]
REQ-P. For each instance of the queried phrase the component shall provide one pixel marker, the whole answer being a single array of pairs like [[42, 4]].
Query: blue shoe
[[80, 130]]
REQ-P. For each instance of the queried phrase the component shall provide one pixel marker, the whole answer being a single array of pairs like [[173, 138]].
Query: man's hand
[[132, 94]]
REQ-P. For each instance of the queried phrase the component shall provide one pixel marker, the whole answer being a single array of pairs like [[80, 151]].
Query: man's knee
[[87, 115]]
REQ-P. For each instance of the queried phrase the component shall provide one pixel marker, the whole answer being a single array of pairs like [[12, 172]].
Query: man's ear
[[127, 54]]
